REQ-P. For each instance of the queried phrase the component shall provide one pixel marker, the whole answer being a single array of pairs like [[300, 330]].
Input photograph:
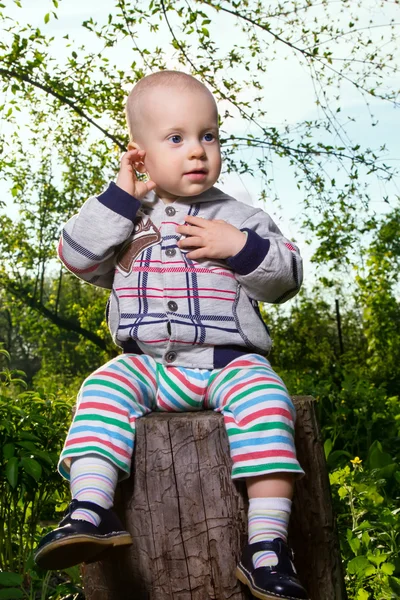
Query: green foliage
[[32, 428], [57, 354], [360, 419], [356, 382], [377, 293], [62, 108], [360, 423], [369, 525], [64, 112]]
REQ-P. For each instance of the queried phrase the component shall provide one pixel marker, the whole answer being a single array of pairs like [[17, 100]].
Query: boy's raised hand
[[133, 161], [211, 239]]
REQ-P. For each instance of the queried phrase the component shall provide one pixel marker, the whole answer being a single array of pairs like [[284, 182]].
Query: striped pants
[[258, 412]]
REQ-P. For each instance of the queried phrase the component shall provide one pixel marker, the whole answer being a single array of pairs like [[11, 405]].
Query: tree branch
[[308, 55], [21, 76], [223, 96], [23, 294], [291, 151]]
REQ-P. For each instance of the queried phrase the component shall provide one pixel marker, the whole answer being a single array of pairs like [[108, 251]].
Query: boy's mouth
[[197, 175], [197, 172]]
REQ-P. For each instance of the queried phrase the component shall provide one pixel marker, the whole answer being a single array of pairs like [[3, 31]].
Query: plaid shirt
[[180, 311]]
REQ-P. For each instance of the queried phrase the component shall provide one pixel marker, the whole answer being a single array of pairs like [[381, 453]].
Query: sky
[[289, 98]]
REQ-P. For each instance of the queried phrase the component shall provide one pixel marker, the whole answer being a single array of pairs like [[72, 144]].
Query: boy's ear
[[133, 146], [138, 166]]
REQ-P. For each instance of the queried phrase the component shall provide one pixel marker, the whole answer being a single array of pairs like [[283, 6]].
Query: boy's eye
[[209, 137], [175, 139]]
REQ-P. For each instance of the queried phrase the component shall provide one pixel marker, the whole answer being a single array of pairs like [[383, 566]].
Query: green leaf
[[45, 457], [362, 594], [386, 472], [364, 525], [27, 445], [27, 435], [394, 583], [387, 568], [374, 497], [354, 545], [377, 458], [10, 579], [8, 450], [365, 538], [333, 456], [12, 471], [358, 565], [32, 467], [73, 573], [47, 17], [11, 593], [377, 559], [328, 445]]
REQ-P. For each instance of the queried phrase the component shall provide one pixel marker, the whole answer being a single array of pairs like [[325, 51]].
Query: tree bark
[[313, 534], [188, 519]]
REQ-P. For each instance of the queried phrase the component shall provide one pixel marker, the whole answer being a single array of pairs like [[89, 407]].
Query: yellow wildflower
[[356, 461]]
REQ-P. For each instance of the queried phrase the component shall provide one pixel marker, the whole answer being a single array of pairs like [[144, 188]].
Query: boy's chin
[[184, 191]]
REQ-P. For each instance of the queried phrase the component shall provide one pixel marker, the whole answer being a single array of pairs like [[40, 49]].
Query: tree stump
[[188, 519]]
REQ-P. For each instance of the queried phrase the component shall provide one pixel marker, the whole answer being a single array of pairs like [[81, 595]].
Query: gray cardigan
[[199, 314]]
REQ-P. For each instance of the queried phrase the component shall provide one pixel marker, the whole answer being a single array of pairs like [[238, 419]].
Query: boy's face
[[179, 132]]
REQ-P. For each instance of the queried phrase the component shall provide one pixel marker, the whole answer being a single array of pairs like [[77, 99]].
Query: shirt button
[[170, 357], [170, 211], [172, 305], [170, 252]]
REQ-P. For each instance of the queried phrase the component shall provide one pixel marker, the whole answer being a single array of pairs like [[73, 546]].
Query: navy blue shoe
[[271, 583], [74, 542]]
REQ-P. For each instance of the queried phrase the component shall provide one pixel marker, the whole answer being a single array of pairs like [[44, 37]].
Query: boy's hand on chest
[[210, 239]]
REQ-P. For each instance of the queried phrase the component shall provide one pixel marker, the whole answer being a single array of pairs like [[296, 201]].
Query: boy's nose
[[196, 151]]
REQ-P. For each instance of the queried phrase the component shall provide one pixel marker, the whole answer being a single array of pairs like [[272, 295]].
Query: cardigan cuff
[[251, 255], [119, 201]]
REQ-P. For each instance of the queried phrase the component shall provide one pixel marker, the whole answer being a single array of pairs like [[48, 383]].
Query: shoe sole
[[76, 549], [256, 591]]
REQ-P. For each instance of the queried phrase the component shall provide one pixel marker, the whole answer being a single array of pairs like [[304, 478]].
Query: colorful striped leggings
[[258, 413]]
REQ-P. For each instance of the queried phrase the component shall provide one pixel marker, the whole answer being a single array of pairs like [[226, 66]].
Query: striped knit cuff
[[119, 201], [274, 503], [251, 255]]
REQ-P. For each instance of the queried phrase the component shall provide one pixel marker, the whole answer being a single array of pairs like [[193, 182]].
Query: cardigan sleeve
[[91, 239], [269, 266]]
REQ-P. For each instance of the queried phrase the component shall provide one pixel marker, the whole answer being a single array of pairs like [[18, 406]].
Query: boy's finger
[[188, 229], [195, 254], [150, 185], [128, 156], [199, 221], [191, 241]]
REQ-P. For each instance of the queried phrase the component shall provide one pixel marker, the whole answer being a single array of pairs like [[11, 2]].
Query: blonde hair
[[166, 79]]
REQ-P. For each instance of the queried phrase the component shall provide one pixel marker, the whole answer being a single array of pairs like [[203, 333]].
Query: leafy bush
[[32, 429], [369, 524], [360, 422]]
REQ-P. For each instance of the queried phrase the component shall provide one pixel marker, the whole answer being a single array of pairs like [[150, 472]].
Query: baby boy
[[186, 265]]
